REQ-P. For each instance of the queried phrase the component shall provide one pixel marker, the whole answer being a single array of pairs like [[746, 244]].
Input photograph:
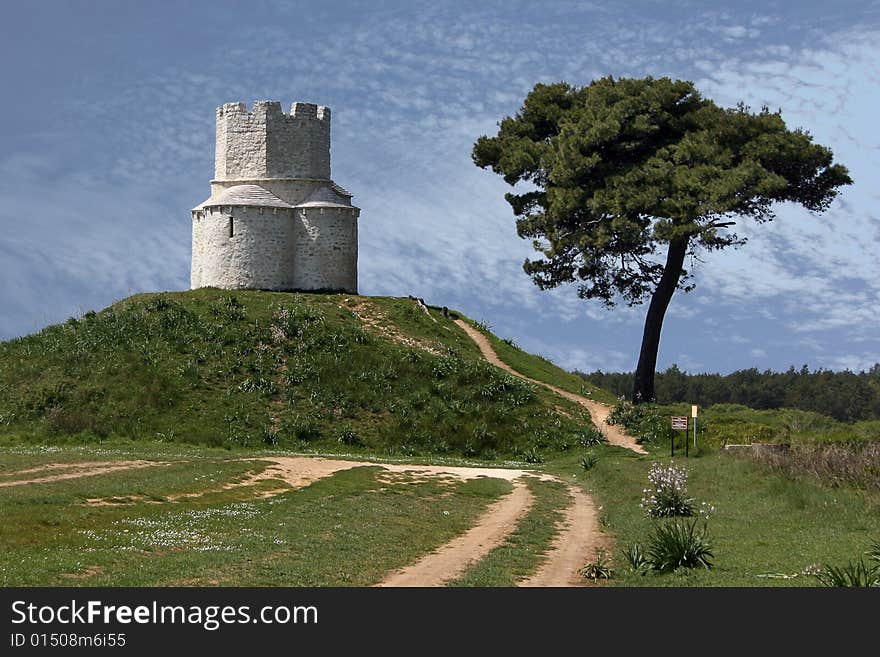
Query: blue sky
[[107, 129]]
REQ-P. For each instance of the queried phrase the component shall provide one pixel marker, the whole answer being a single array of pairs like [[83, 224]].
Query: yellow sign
[[693, 411]]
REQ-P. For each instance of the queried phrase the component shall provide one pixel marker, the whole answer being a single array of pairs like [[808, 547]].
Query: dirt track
[[574, 546], [451, 560], [78, 470], [599, 412], [577, 543]]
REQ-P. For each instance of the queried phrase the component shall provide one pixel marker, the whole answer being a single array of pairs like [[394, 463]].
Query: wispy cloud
[[411, 87]]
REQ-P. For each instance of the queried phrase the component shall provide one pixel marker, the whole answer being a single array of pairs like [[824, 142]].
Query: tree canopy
[[621, 168]]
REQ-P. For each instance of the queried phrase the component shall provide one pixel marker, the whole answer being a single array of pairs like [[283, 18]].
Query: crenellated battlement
[[298, 110], [266, 142]]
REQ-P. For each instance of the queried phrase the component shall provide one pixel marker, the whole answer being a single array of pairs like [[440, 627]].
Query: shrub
[[635, 556], [531, 455], [348, 436], [675, 544], [832, 465], [589, 461], [855, 574], [598, 569], [61, 420], [229, 308], [667, 495], [590, 436], [644, 421]]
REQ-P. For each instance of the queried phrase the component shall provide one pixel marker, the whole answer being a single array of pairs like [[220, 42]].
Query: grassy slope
[[541, 369], [277, 370]]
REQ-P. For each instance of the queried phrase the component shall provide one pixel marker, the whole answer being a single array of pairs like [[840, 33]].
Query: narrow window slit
[[231, 227]]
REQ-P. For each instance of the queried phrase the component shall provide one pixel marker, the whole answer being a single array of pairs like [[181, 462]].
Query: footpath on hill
[[599, 412]]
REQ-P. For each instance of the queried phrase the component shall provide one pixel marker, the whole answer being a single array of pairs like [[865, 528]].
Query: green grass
[[521, 554], [541, 369], [347, 529], [277, 371], [766, 529], [724, 424]]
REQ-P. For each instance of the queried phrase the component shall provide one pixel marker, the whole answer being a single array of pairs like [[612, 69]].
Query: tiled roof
[[339, 189], [325, 197], [250, 195]]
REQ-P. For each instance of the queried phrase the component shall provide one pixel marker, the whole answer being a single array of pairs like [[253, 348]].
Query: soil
[[79, 470], [580, 541], [452, 559]]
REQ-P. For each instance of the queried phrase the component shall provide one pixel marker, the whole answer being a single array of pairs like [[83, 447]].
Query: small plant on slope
[[589, 461]]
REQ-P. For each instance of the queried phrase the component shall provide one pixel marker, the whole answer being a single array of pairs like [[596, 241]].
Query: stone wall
[[326, 249], [267, 143], [243, 247], [258, 248]]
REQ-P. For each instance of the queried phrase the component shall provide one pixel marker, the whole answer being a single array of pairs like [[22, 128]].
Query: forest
[[845, 396]]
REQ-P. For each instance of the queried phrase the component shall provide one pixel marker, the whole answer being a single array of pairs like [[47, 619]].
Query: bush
[[598, 569], [832, 465], [667, 495], [643, 421], [675, 544], [855, 574], [61, 420], [348, 436], [589, 461], [590, 436], [635, 556]]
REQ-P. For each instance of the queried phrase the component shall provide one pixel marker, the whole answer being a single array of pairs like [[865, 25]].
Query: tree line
[[845, 396]]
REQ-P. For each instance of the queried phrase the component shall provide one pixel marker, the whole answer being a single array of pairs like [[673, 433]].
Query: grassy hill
[[294, 371], [201, 382]]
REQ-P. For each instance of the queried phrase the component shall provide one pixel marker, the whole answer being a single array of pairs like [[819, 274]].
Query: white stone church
[[275, 219]]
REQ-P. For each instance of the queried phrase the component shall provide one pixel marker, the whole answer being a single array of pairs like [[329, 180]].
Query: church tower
[[275, 220]]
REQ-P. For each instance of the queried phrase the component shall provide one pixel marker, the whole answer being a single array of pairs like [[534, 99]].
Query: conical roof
[[250, 195], [325, 197]]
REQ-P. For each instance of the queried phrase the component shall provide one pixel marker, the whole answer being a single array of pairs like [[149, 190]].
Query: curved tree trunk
[[643, 386]]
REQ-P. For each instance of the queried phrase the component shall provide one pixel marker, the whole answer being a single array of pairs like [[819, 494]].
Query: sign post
[[694, 415], [679, 422]]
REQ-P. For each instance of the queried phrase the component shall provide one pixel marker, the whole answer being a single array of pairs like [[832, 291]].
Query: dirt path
[[577, 543], [599, 412], [573, 547], [373, 318], [452, 559], [79, 470]]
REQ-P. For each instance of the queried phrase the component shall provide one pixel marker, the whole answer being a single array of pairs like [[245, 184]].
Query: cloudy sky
[[107, 140]]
